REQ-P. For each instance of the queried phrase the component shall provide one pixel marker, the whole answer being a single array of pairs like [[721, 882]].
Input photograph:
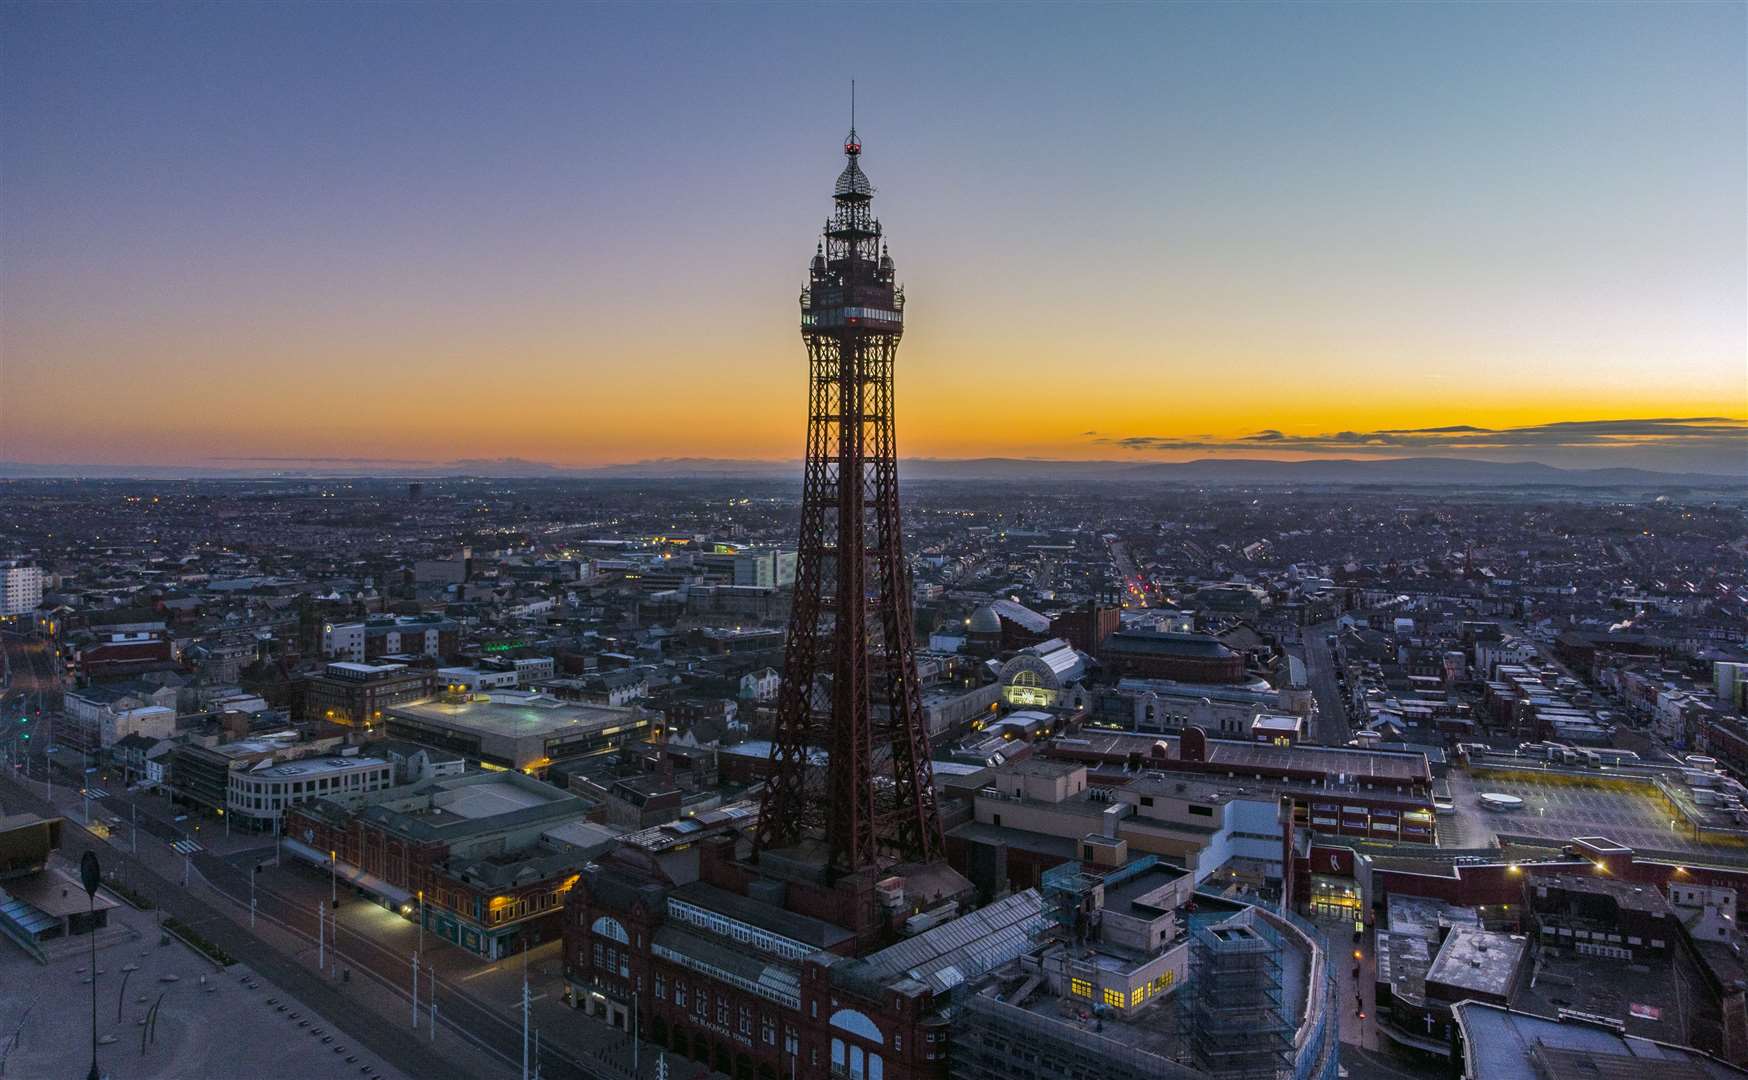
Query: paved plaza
[[211, 1023]]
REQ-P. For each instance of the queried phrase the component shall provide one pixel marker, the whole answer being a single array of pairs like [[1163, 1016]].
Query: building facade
[[257, 798], [20, 587], [359, 695]]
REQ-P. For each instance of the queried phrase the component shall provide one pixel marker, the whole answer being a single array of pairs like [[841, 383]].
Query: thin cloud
[[1682, 432]]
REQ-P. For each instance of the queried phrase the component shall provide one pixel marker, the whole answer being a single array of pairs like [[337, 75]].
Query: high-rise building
[[20, 587]]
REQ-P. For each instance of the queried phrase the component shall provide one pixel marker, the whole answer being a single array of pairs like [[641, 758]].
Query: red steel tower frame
[[849, 670]]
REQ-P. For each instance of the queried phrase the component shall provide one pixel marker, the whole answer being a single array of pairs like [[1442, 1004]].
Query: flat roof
[[1122, 895], [1042, 767], [1241, 754], [1326, 759], [1483, 961], [56, 892], [476, 801], [513, 713], [1625, 894], [309, 767], [1649, 999]]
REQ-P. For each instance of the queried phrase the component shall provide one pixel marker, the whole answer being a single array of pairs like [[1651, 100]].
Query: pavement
[[210, 1022]]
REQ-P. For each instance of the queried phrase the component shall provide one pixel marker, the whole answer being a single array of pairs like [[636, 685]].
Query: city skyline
[[303, 234]]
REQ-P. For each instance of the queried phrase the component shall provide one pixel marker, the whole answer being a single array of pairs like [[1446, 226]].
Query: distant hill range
[[1203, 471]]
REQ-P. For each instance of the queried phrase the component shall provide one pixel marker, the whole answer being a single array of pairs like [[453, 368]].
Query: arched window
[[857, 1023], [610, 928]]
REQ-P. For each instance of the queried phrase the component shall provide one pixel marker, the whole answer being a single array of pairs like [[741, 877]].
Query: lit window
[[1138, 995], [1080, 988], [1114, 998]]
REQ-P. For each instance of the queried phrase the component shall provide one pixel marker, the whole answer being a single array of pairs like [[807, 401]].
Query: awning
[[350, 874]]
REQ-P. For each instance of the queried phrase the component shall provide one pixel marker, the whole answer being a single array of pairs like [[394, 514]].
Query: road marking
[[186, 847]]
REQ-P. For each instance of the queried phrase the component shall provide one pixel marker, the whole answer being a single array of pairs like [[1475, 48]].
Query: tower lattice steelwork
[[849, 672]]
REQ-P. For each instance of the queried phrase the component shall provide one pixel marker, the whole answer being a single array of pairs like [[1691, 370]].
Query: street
[[1331, 727], [30, 687]]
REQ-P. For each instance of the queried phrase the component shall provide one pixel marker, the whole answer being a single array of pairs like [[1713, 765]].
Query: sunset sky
[[575, 233]]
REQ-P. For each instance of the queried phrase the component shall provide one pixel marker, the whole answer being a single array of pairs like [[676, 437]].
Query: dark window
[[1202, 811], [1146, 800]]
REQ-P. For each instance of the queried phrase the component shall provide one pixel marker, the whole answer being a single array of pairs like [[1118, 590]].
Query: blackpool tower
[[849, 670]]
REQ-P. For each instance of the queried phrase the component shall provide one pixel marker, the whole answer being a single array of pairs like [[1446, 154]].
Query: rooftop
[[347, 667], [1505, 1044], [1200, 646], [308, 768], [1650, 998], [955, 951], [514, 713], [1625, 894], [1124, 895], [1481, 961], [803, 928]]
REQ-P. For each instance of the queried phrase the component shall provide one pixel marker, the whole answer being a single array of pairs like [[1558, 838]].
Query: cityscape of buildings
[[1229, 783], [864, 773]]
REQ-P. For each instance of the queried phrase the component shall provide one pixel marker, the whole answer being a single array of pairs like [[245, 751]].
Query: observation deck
[[874, 308]]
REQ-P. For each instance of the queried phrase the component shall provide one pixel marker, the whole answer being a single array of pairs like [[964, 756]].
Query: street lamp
[[334, 877], [91, 875]]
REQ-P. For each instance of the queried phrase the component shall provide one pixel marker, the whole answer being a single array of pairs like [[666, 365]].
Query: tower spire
[[852, 144]]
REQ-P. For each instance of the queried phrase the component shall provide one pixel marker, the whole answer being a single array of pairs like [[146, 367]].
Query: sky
[[576, 233]]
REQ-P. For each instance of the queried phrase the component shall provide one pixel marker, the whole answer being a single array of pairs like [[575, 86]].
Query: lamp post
[[334, 877], [91, 875]]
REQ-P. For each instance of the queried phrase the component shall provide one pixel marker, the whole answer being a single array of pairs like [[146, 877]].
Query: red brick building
[[740, 972], [490, 879]]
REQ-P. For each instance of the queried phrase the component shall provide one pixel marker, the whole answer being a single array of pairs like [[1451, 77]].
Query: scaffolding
[[1235, 1013], [1067, 887]]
